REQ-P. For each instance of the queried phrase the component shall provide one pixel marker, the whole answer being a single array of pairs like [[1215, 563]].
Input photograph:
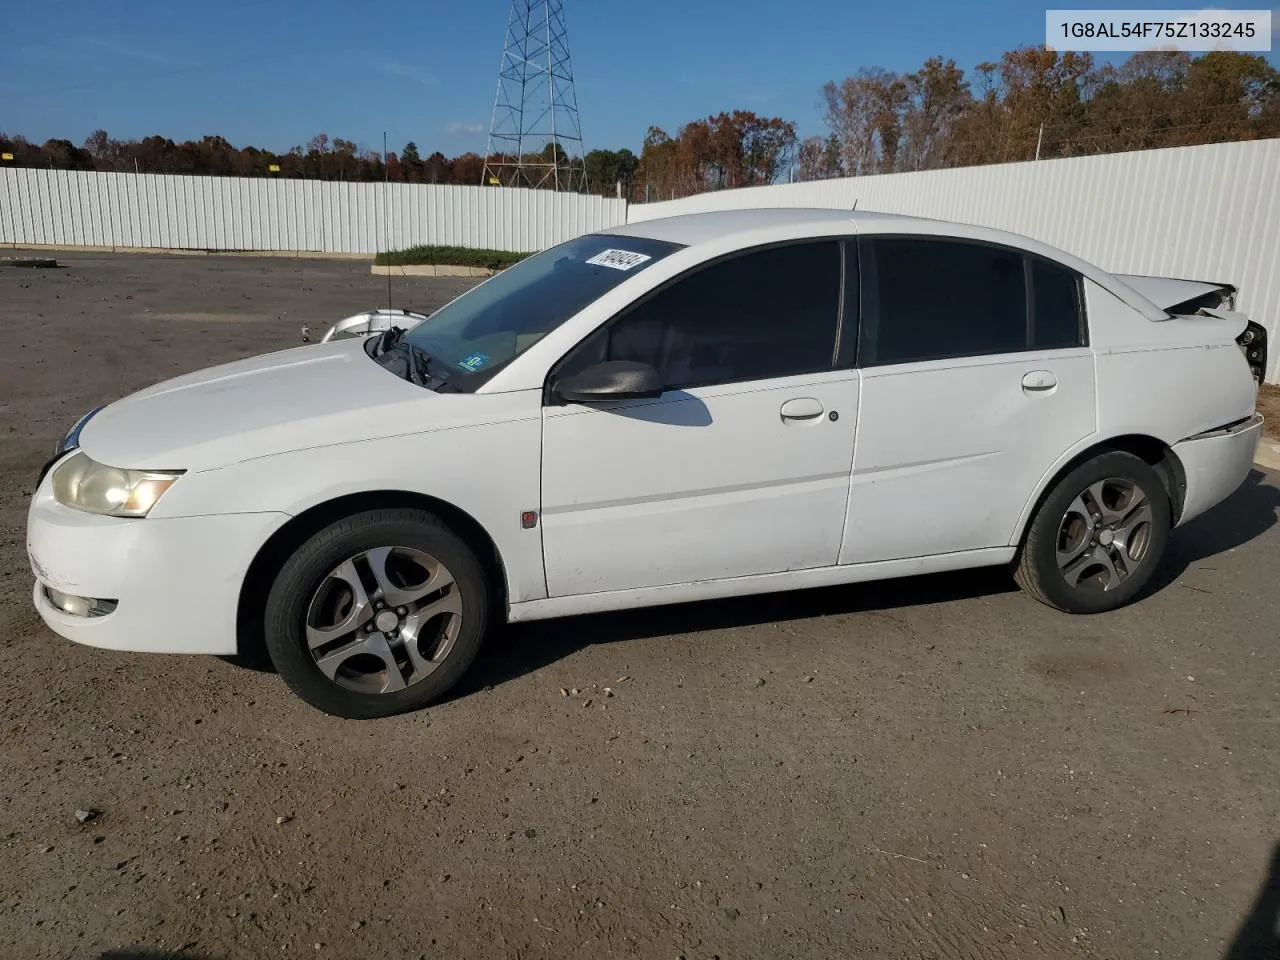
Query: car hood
[[307, 396]]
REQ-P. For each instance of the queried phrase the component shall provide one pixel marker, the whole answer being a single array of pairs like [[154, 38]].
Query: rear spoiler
[[1182, 297]]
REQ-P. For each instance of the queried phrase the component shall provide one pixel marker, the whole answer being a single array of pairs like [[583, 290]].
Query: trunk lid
[[1205, 298]]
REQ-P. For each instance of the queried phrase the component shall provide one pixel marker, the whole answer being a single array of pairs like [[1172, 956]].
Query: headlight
[[96, 488]]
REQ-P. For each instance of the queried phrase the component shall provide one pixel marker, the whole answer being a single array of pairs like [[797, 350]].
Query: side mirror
[[611, 380]]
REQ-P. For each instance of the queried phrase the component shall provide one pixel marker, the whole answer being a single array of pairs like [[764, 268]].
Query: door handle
[[1038, 381], [801, 408]]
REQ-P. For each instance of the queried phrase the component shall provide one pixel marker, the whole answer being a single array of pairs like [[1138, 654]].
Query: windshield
[[471, 338]]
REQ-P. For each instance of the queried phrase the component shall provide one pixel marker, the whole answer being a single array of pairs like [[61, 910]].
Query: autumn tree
[[657, 166], [468, 168], [1134, 106], [1037, 102], [937, 97], [864, 111], [605, 169], [64, 155], [818, 158], [1226, 94], [437, 168], [411, 163], [1044, 88], [726, 150], [768, 146]]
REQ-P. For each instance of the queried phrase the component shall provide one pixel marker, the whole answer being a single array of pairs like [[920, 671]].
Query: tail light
[[1253, 342]]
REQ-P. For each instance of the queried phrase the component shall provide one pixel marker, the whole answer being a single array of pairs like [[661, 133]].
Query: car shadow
[[513, 650], [1259, 936], [254, 657], [1244, 516], [520, 648], [517, 649], [139, 953]]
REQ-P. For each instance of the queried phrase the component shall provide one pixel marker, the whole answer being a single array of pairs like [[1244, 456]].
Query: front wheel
[[379, 613], [1097, 538]]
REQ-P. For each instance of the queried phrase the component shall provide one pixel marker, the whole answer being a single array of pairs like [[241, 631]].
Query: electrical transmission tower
[[535, 139]]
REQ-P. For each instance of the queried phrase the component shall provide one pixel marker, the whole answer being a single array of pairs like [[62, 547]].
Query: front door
[[742, 466]]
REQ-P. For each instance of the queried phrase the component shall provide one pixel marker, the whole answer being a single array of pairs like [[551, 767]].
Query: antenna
[[535, 138], [386, 211], [855, 205]]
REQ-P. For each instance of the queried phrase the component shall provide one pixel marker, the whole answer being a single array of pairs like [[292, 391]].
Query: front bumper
[[176, 581], [1216, 463]]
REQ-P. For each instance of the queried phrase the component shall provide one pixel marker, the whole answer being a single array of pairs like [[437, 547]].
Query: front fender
[[489, 471]]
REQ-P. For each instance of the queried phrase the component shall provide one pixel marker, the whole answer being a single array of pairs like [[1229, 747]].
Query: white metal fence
[[75, 208], [1205, 213], [1208, 212]]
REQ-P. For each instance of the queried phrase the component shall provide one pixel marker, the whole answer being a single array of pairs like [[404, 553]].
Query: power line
[[1154, 114]]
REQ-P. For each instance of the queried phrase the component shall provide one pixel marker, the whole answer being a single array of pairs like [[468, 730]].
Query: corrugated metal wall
[[1209, 212], [74, 208]]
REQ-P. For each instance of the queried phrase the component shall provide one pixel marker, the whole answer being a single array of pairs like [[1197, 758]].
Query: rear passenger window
[[926, 299], [1056, 305]]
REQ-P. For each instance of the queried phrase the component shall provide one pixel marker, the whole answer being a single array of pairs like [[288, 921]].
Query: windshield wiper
[[390, 349], [419, 366], [386, 340]]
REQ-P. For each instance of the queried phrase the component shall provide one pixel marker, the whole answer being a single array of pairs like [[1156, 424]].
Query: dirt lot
[[935, 767], [1269, 407]]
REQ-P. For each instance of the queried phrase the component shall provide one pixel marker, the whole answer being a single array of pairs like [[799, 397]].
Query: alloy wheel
[[383, 620], [1105, 535]]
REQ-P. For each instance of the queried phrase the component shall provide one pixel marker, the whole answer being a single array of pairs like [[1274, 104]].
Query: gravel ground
[[926, 768], [1269, 407]]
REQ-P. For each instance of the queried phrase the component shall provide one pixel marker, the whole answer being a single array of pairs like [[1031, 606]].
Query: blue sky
[[275, 72]]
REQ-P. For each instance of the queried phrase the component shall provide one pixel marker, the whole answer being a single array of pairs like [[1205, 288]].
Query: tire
[[328, 616], [1091, 517]]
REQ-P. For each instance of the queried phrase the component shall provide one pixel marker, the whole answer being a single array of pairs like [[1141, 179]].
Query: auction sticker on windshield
[[619, 259], [474, 362]]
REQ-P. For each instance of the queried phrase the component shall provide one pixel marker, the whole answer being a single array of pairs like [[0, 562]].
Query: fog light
[[79, 606]]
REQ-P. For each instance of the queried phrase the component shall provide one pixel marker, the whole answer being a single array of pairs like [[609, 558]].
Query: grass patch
[[450, 256]]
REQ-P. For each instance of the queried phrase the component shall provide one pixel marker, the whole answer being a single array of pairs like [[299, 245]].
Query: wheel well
[[261, 573], [1155, 453]]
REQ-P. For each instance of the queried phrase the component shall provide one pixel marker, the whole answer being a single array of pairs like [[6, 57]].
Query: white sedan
[[702, 406]]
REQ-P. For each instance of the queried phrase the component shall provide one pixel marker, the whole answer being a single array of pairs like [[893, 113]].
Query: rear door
[[976, 378], [742, 466]]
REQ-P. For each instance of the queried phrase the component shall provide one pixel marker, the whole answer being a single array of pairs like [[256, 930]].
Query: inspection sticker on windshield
[[474, 362], [619, 259]]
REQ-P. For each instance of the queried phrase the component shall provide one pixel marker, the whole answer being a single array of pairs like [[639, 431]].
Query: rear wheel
[[1097, 538], [377, 614]]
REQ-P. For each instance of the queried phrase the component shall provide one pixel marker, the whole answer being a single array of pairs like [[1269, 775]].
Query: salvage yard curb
[[1268, 453], [430, 270], [186, 251], [28, 262]]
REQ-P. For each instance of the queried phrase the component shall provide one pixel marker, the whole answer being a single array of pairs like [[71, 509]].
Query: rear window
[[926, 299], [1056, 298]]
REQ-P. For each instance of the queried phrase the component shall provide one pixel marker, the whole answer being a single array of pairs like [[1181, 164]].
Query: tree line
[[322, 158], [1036, 103], [1031, 104]]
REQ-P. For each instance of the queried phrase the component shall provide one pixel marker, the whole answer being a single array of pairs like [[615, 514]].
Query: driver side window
[[768, 313]]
